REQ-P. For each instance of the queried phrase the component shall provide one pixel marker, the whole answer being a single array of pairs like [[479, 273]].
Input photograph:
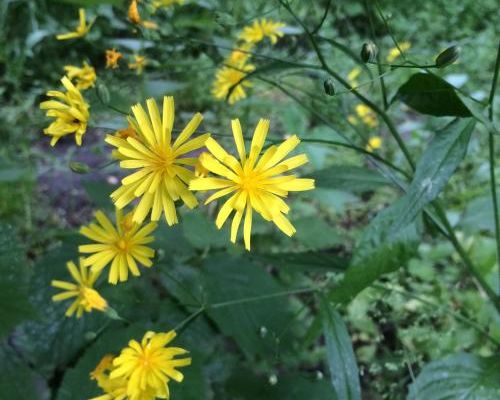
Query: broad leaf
[[460, 376], [429, 94], [349, 178], [438, 163], [309, 260], [232, 279], [344, 373]]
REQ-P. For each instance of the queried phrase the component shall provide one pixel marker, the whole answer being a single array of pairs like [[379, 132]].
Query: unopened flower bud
[[79, 168], [448, 57], [329, 87], [103, 93], [369, 52]]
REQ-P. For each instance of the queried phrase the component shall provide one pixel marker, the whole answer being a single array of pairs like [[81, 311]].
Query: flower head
[[81, 30], [112, 57], [261, 29], [367, 115], [254, 183], [135, 17], [165, 3], [353, 75], [395, 52], [162, 177], [239, 56], [148, 366], [123, 246], [374, 143], [231, 77], [86, 298], [70, 112], [84, 77], [139, 64], [114, 388]]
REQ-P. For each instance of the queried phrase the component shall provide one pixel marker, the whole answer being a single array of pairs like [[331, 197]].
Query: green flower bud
[[448, 57], [369, 52], [103, 93], [79, 168], [329, 87]]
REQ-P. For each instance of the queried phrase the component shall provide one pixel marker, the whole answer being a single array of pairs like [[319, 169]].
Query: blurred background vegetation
[[270, 350]]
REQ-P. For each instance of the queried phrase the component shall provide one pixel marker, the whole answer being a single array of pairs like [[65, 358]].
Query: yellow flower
[[394, 53], [230, 77], [199, 170], [352, 76], [122, 246], [352, 119], [162, 177], [260, 29], [114, 388], [367, 115], [239, 56], [148, 366], [135, 17], [254, 184], [374, 143], [81, 30], [112, 57], [139, 64], [71, 113], [86, 298], [85, 76], [165, 3]]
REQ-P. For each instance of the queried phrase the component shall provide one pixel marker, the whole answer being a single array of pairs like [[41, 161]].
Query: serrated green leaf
[[429, 94], [461, 376], [438, 163], [349, 178], [230, 279], [344, 373]]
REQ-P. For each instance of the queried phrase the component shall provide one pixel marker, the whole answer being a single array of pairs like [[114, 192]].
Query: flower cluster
[[143, 370], [230, 80]]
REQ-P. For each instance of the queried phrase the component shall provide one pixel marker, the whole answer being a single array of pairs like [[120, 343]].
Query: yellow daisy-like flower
[[353, 75], [139, 64], [374, 143], [81, 30], [86, 298], [112, 57], [135, 17], [114, 388], [84, 77], [255, 184], [239, 57], [367, 115], [231, 77], [162, 177], [70, 112], [261, 29], [394, 53], [148, 366], [123, 246]]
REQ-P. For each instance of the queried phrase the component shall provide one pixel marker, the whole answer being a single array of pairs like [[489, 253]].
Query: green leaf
[[308, 260], [438, 163], [314, 233], [201, 232], [429, 94], [380, 250], [349, 178], [344, 373], [14, 303], [460, 376], [232, 279], [17, 380], [89, 3]]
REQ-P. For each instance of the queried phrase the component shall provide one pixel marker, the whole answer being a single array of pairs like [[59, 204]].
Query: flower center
[[122, 245], [249, 181]]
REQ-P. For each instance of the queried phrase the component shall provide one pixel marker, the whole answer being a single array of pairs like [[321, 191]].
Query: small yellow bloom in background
[[114, 388], [162, 177], [138, 64], [352, 119], [231, 77], [165, 3], [112, 57], [261, 29], [353, 75], [394, 53], [148, 366], [374, 143], [81, 30], [123, 246], [367, 115], [70, 112], [135, 17], [86, 298], [253, 183], [240, 56], [84, 77]]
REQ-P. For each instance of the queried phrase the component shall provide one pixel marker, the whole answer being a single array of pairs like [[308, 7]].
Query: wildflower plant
[[332, 253]]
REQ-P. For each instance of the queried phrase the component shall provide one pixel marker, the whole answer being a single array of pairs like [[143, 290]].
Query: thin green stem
[[491, 146]]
